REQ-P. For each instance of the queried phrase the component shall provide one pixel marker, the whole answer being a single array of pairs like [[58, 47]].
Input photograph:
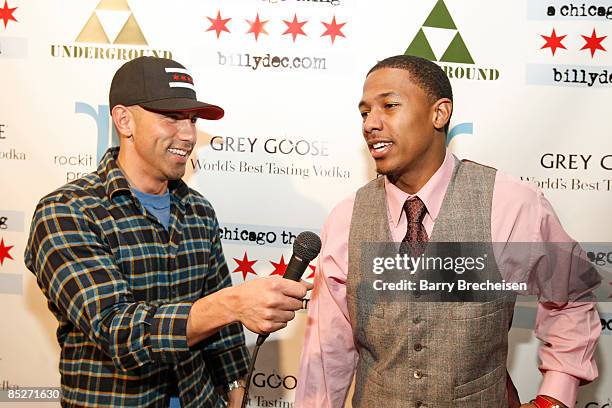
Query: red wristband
[[543, 402]]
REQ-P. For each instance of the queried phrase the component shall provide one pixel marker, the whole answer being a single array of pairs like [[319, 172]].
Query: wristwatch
[[542, 401], [235, 384]]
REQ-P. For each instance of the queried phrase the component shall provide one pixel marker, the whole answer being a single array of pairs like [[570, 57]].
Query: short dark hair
[[426, 74]]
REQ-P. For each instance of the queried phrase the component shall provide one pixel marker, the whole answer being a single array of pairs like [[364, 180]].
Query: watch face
[[235, 384]]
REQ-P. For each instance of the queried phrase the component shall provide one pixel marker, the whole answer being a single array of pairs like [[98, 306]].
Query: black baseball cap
[[159, 85]]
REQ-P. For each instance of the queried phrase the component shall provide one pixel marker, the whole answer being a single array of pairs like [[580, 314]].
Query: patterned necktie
[[416, 235]]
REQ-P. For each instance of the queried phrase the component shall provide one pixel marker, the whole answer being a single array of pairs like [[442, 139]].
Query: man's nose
[[372, 122], [187, 131]]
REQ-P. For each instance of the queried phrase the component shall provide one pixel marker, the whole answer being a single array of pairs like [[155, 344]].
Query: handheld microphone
[[306, 247]]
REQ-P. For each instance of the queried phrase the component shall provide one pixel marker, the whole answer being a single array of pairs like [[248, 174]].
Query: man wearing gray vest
[[435, 354]]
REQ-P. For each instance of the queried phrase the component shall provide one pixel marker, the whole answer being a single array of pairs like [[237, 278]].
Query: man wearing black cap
[[131, 263]]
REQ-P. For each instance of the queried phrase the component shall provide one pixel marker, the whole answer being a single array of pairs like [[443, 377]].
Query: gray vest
[[429, 354]]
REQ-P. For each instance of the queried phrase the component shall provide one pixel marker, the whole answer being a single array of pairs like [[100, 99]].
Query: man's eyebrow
[[383, 95], [386, 94]]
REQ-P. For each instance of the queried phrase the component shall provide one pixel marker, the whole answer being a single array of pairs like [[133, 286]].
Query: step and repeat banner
[[532, 81]]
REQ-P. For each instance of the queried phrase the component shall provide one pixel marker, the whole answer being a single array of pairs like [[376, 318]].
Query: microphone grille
[[307, 246]]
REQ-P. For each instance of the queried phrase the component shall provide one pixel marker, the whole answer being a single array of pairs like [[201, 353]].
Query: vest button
[[418, 374], [418, 347], [416, 320]]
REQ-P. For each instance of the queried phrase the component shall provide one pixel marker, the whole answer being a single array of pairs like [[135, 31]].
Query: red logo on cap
[[182, 78]]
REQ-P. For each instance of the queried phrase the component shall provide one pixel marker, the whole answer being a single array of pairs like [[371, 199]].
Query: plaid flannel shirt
[[121, 287]]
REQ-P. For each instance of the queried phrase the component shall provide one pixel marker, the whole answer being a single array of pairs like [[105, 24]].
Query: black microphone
[[306, 247]]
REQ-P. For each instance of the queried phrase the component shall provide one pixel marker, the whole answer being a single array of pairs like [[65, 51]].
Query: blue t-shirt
[[158, 205]]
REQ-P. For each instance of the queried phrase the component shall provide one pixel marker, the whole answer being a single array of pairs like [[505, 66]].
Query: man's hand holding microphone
[[262, 305]]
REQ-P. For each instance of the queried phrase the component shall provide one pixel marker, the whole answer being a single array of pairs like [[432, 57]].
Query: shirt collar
[[115, 182], [432, 193]]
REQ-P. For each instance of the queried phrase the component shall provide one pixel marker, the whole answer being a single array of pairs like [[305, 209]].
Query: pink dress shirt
[[520, 213]]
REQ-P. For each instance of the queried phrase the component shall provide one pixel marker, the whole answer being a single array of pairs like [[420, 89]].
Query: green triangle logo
[[420, 47], [457, 52], [440, 17]]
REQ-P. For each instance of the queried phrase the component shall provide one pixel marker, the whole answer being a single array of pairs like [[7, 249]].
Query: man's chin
[[177, 175], [383, 170]]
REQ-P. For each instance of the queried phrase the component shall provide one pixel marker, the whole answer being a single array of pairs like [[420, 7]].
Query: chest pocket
[[143, 259]]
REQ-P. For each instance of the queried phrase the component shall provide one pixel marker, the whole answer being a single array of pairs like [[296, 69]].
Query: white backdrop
[[533, 103]]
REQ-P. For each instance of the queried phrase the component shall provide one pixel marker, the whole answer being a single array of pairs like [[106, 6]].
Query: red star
[[279, 268], [593, 43], [553, 42], [4, 252], [218, 24], [257, 27], [295, 27], [245, 266], [6, 14], [333, 29], [314, 269], [175, 77]]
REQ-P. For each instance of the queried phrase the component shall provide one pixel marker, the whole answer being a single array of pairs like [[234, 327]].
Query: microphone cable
[[258, 343]]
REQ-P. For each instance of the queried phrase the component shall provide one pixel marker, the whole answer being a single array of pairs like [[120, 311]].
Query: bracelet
[[236, 384], [542, 402]]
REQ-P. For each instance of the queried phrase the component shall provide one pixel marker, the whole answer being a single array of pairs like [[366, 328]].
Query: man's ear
[[442, 111], [123, 119]]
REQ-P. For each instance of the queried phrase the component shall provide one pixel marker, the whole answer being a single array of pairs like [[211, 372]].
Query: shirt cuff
[[169, 332], [560, 386], [229, 365]]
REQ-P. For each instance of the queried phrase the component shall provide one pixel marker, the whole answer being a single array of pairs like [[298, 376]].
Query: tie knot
[[415, 210]]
